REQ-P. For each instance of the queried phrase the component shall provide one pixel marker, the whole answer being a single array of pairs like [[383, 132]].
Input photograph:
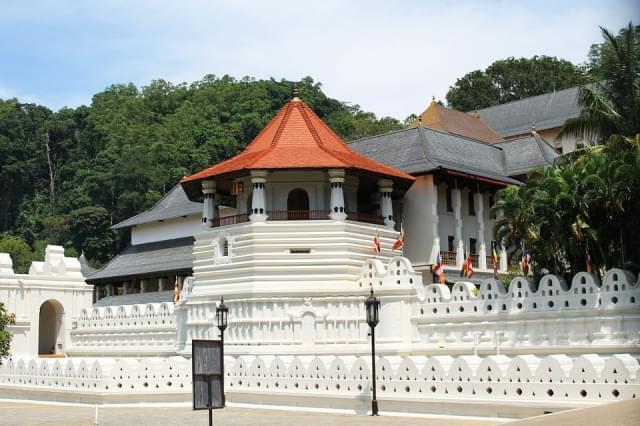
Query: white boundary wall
[[463, 385]]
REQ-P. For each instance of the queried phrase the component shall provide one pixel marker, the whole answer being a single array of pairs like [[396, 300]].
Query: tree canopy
[[511, 79], [66, 176], [610, 101], [585, 207]]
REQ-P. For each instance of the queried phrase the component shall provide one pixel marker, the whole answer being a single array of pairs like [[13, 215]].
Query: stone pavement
[[624, 413], [13, 413]]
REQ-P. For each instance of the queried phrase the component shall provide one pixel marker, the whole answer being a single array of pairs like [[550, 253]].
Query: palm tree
[[610, 101]]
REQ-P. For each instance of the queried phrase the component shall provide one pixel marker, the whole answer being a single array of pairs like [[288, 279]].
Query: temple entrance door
[[51, 328], [298, 205]]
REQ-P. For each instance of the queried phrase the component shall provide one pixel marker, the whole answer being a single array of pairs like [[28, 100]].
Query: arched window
[[225, 247], [298, 204], [222, 249]]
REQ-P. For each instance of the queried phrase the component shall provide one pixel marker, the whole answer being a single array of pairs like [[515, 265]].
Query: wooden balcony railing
[[475, 260], [449, 258], [230, 220], [298, 214], [365, 217]]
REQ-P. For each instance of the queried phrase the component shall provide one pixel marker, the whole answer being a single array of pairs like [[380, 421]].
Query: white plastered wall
[[57, 279]]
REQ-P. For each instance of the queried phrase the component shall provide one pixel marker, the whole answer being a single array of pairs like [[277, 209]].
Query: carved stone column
[[258, 198], [336, 180], [457, 217], [482, 253], [208, 206], [385, 187]]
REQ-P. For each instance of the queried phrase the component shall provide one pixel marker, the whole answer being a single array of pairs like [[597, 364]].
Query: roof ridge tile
[[287, 113]]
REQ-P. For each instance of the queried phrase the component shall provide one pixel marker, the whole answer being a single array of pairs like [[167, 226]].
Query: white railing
[[114, 330], [411, 380]]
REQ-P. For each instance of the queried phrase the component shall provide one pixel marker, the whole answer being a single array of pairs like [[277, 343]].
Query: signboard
[[201, 392], [206, 365], [206, 357]]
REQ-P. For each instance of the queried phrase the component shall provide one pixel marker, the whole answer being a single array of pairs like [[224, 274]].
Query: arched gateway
[[51, 328]]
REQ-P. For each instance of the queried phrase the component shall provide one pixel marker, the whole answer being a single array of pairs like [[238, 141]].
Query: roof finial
[[295, 93], [533, 130]]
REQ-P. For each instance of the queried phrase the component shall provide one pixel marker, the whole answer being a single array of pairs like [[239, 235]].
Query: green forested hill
[[66, 176]]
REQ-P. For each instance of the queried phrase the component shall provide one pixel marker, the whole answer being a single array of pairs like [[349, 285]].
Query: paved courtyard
[[17, 413], [36, 414]]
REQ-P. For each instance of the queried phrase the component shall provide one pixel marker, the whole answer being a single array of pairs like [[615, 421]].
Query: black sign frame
[[207, 367]]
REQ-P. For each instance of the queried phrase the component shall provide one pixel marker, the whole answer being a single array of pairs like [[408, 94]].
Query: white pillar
[[435, 248], [457, 216], [503, 259], [208, 206], [336, 180], [385, 187], [482, 256], [258, 200], [482, 253]]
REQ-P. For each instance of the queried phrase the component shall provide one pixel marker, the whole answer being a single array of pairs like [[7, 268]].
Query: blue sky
[[390, 57]]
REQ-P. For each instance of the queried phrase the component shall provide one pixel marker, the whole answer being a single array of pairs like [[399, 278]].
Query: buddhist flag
[[463, 271], [469, 267], [176, 291], [376, 244], [524, 262], [400, 241], [437, 267], [494, 259], [442, 279], [589, 264]]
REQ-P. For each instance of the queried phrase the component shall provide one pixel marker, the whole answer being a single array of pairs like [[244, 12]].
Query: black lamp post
[[372, 304], [222, 316]]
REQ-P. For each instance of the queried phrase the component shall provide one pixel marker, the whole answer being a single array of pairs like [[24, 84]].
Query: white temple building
[[284, 232]]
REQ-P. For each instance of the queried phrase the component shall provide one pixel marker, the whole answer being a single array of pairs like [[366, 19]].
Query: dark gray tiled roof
[[525, 153], [132, 299], [422, 149], [174, 204], [547, 111], [151, 258]]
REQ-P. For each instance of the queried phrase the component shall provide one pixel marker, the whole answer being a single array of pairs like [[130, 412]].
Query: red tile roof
[[296, 138], [448, 120]]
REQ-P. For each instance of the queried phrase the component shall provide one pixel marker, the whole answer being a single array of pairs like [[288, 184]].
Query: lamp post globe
[[372, 305], [222, 315]]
